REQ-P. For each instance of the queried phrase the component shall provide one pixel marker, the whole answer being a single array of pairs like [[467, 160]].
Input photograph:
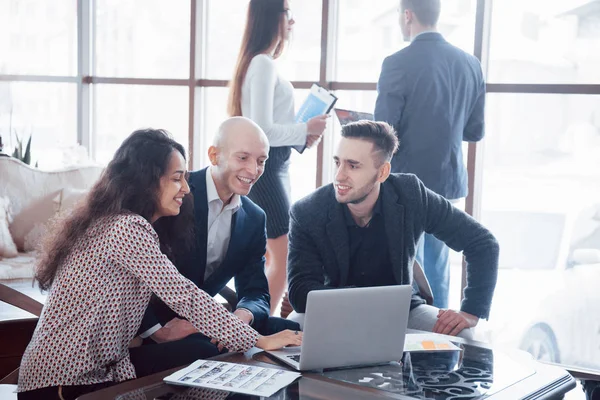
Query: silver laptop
[[351, 327]]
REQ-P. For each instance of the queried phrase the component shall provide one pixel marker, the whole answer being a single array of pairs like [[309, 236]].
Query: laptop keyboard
[[295, 357]]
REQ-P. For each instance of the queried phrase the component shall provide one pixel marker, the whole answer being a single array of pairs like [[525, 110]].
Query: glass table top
[[473, 373]]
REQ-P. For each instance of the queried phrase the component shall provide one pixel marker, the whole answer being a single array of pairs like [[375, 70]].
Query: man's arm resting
[[452, 322], [175, 329], [461, 232], [481, 255]]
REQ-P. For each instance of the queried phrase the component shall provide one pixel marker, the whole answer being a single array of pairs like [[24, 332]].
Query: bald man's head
[[236, 127], [238, 155]]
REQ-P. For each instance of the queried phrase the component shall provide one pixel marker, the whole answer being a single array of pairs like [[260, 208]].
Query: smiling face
[[357, 174], [173, 187], [239, 158]]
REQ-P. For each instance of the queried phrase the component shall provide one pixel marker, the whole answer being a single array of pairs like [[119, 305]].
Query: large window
[[26, 111], [541, 41], [90, 72], [157, 45], [224, 30], [225, 27], [370, 31], [121, 109], [541, 199], [38, 37]]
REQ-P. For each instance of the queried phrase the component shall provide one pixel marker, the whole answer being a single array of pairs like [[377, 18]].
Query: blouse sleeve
[[136, 248], [262, 77]]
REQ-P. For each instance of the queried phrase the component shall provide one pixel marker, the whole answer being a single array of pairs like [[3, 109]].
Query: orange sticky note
[[428, 345], [443, 346]]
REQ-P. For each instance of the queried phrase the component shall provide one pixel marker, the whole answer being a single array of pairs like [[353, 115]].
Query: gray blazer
[[319, 246], [434, 95]]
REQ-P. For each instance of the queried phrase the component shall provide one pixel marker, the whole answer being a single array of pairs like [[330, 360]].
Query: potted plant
[[19, 154]]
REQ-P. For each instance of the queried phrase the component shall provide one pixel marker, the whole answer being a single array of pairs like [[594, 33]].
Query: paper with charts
[[238, 378], [427, 342]]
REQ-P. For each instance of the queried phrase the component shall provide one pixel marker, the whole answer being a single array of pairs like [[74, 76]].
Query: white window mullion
[[85, 43]]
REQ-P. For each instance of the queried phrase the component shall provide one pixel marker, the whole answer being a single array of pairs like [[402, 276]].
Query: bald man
[[230, 243]]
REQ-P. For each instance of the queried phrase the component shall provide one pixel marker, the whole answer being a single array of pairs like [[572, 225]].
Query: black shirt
[[370, 263]]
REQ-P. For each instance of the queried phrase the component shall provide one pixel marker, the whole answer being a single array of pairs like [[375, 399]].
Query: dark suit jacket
[[244, 260], [434, 95], [319, 250]]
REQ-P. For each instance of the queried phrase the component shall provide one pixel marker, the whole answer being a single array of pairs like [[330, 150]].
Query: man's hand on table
[[451, 322]]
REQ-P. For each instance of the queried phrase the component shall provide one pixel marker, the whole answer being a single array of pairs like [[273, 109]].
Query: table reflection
[[447, 375]]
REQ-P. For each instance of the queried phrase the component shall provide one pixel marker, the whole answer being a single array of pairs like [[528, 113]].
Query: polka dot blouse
[[97, 302]]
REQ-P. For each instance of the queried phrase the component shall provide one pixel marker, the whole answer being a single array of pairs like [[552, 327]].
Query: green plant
[[19, 154]]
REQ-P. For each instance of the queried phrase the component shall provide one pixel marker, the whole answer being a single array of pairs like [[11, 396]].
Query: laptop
[[351, 327], [348, 116]]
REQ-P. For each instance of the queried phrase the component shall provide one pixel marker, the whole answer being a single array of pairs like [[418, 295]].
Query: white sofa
[[34, 197]]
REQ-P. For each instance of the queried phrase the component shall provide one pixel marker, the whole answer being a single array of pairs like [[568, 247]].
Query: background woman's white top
[[268, 100]]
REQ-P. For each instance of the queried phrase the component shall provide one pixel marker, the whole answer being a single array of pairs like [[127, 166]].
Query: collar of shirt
[[377, 210], [419, 34], [212, 195]]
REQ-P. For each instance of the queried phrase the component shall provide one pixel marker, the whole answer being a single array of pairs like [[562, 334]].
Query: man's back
[[433, 94]]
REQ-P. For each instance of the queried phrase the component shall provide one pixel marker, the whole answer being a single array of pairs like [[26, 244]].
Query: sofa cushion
[[32, 224], [20, 267], [33, 195], [7, 245], [24, 184], [71, 198], [32, 220]]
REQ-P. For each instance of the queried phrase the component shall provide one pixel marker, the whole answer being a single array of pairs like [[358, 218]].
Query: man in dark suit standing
[[230, 240], [363, 230], [433, 94]]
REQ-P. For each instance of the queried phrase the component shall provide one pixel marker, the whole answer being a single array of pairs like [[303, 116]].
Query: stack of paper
[[425, 342], [238, 378]]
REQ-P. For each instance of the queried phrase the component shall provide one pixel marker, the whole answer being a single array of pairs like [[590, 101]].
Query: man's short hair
[[427, 11], [381, 134]]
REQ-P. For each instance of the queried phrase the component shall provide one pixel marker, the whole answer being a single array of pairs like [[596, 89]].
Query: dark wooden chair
[[230, 297], [422, 284], [15, 334]]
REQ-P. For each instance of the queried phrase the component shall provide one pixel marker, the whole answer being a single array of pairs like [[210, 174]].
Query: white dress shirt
[[268, 100], [219, 232], [218, 225]]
